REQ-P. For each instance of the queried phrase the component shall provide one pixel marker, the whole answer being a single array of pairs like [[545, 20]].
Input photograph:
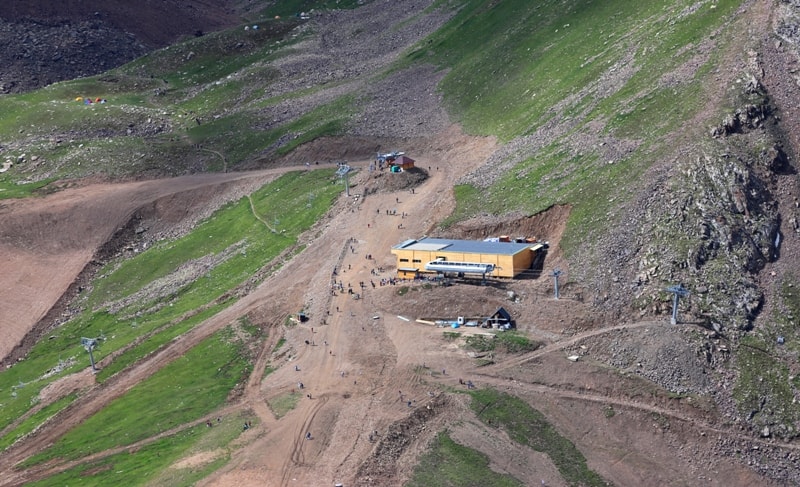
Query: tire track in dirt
[[297, 457], [252, 391]]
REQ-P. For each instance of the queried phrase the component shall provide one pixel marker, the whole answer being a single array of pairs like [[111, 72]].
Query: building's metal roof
[[463, 246]]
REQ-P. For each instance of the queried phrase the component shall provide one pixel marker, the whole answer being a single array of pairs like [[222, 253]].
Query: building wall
[[523, 260], [407, 273], [506, 265]]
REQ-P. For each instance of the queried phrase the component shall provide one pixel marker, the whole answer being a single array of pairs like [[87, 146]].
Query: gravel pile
[[664, 354]]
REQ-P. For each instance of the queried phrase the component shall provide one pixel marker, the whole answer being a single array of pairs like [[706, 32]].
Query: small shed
[[501, 319], [404, 162]]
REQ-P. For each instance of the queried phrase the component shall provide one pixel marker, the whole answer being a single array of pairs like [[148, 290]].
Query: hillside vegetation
[[654, 122]]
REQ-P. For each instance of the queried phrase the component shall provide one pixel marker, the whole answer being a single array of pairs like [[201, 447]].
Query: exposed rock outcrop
[[722, 225]]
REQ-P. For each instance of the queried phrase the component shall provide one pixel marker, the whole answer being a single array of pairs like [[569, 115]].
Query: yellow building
[[432, 255]]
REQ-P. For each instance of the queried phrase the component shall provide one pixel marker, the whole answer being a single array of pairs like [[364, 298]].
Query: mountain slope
[[650, 144]]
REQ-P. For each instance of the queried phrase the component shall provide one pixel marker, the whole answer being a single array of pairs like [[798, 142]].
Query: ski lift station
[[462, 257]]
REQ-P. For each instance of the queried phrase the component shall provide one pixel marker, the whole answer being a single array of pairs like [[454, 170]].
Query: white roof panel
[[432, 247]]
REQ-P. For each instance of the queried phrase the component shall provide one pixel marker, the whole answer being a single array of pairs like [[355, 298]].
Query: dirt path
[[257, 216], [521, 389]]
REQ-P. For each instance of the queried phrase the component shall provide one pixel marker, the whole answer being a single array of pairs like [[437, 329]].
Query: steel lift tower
[[556, 272], [679, 291], [342, 172]]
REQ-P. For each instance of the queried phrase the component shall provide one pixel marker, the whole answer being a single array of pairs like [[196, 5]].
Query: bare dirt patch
[[198, 459], [67, 385]]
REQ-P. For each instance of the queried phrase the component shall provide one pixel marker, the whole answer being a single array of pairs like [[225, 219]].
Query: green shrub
[[508, 342], [449, 464]]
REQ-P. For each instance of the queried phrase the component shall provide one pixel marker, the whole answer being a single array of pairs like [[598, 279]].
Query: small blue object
[[780, 340]]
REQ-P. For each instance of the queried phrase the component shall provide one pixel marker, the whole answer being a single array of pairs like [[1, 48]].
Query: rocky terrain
[[45, 42]]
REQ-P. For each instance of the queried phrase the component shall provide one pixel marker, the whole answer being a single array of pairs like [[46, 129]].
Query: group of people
[[89, 101]]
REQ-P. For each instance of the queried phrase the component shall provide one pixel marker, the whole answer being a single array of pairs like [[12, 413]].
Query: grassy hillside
[[196, 106], [138, 305], [574, 77]]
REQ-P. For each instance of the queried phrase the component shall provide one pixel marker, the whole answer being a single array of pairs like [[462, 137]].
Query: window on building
[[403, 260], [441, 257], [416, 261]]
